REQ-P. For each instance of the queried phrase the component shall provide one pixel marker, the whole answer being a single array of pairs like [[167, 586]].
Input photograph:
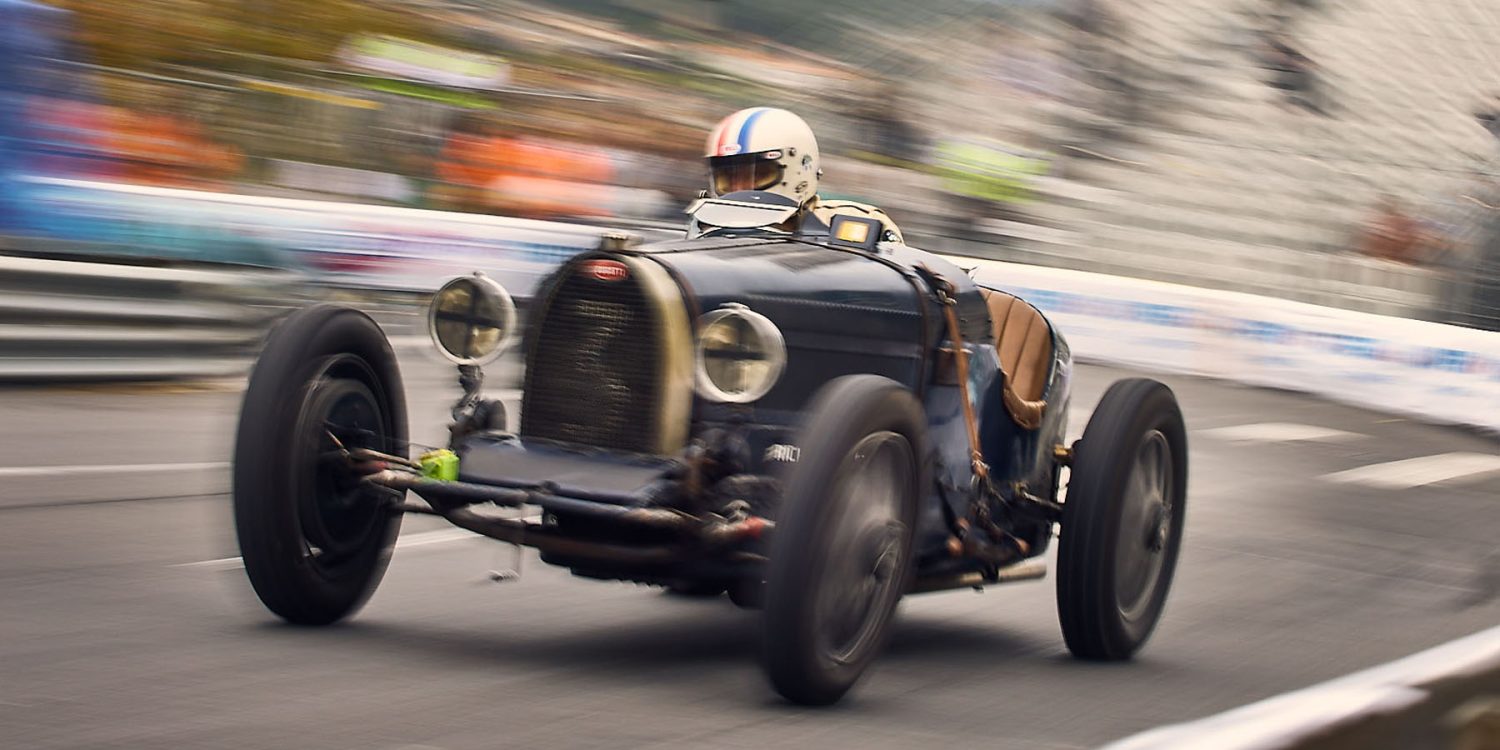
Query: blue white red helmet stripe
[[732, 136], [716, 138], [744, 136]]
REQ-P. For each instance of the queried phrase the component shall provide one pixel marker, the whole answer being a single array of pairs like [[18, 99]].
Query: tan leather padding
[[1024, 341], [825, 210]]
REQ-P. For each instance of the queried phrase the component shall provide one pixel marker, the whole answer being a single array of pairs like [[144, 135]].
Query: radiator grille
[[594, 376]]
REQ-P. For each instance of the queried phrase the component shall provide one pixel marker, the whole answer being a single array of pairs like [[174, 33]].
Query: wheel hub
[[887, 545], [867, 559], [1158, 527], [1146, 526], [338, 515]]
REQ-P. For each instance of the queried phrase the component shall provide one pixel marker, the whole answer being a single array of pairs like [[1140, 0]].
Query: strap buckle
[[942, 288]]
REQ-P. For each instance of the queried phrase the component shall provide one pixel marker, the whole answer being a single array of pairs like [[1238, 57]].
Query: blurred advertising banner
[[1431, 371], [406, 59], [990, 170], [340, 243], [357, 183]]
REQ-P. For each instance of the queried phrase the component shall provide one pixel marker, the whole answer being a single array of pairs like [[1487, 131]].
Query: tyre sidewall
[[1087, 579], [841, 414], [267, 485]]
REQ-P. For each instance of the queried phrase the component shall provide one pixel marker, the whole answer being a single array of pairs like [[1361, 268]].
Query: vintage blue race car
[[813, 419]]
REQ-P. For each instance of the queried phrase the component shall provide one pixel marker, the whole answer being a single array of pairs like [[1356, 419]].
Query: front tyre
[[841, 555], [314, 540], [1122, 521]]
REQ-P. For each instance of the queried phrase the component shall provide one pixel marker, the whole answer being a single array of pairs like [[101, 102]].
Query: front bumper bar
[[699, 536]]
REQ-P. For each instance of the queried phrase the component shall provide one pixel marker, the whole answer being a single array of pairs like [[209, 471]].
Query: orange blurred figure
[[485, 171], [1393, 234]]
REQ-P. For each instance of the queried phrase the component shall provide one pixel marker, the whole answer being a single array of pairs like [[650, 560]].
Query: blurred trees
[[143, 33]]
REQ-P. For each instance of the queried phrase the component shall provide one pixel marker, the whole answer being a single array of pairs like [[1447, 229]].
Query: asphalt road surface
[[1308, 554]]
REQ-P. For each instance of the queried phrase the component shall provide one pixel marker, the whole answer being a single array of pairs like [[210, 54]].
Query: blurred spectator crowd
[[529, 109], [1090, 133]]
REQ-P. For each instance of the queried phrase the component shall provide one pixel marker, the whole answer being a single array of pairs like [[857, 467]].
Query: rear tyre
[[841, 555], [1122, 521], [315, 542]]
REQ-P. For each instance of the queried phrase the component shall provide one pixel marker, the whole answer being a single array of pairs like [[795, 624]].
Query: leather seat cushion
[[1024, 341]]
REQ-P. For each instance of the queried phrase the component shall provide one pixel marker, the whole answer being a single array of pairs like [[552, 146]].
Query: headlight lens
[[740, 355], [471, 319]]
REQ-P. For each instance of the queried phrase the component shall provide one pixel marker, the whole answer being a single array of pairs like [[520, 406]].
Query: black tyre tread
[[264, 518], [1086, 608], [840, 414]]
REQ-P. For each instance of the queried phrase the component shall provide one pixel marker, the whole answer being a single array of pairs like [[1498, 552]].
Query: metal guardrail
[[92, 319]]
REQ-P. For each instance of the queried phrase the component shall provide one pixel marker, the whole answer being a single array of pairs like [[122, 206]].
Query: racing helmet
[[762, 148]]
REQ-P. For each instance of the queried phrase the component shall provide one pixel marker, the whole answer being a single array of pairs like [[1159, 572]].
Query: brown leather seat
[[1024, 340]]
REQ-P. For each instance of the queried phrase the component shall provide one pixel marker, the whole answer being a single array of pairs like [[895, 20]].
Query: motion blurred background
[[1340, 152], [177, 174]]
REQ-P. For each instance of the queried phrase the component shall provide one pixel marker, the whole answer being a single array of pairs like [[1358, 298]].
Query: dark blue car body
[[841, 311]]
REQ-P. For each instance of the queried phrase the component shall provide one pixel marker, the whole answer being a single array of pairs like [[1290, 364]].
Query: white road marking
[[440, 536], [224, 563], [1415, 472], [1279, 432], [411, 342], [23, 472]]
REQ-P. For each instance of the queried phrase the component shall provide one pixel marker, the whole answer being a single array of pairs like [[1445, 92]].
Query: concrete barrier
[[1432, 699]]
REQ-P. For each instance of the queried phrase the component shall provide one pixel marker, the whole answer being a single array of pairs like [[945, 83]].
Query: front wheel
[[1122, 521], [842, 551], [314, 539]]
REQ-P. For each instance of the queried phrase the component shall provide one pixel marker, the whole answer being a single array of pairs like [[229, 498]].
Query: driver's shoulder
[[825, 209], [838, 205]]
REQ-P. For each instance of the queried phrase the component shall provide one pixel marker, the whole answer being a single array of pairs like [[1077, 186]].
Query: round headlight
[[471, 319], [740, 354]]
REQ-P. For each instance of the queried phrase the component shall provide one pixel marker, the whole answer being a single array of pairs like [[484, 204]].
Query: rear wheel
[[842, 552], [315, 541], [1122, 521]]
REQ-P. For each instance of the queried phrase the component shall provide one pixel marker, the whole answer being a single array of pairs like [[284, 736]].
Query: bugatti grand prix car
[[816, 420]]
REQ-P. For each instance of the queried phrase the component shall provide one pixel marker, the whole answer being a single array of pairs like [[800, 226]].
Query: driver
[[773, 150]]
